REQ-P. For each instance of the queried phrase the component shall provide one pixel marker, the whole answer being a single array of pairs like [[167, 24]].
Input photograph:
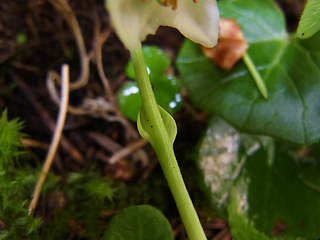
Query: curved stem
[[256, 75], [64, 8], [55, 139], [163, 147]]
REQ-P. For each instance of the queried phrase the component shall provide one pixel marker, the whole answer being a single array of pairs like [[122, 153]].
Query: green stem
[[164, 149], [255, 74]]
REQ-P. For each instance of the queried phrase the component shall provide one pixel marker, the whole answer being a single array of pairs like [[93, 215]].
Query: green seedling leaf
[[274, 189], [167, 90], [289, 67], [145, 125], [157, 62], [139, 223], [310, 20]]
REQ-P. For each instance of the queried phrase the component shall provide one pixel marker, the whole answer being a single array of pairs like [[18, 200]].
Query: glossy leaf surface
[[241, 228], [139, 223], [275, 189], [289, 67], [167, 91], [157, 62], [129, 100], [167, 88], [310, 20]]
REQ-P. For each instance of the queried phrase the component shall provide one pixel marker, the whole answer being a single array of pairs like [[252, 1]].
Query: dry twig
[[97, 107], [63, 7], [127, 150], [34, 143], [99, 39], [55, 139], [66, 145]]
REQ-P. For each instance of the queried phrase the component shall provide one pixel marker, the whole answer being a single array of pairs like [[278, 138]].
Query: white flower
[[135, 19]]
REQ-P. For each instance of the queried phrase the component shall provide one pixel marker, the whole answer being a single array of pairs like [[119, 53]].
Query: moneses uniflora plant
[[133, 21]]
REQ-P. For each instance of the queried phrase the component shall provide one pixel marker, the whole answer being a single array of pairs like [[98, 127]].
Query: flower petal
[[135, 19], [197, 21]]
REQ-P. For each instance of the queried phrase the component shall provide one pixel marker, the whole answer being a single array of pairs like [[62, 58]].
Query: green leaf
[[310, 20], [260, 20], [276, 188], [241, 228], [278, 193], [157, 62], [129, 100], [139, 223], [289, 67], [219, 162], [145, 125], [167, 90]]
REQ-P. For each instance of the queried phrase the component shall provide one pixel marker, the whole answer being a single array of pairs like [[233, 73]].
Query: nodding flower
[[133, 20]]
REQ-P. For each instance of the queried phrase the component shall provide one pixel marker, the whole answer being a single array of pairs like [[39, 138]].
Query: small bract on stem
[[133, 21]]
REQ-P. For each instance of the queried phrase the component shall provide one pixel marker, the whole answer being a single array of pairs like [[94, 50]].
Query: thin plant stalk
[[256, 75], [163, 147], [55, 139]]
